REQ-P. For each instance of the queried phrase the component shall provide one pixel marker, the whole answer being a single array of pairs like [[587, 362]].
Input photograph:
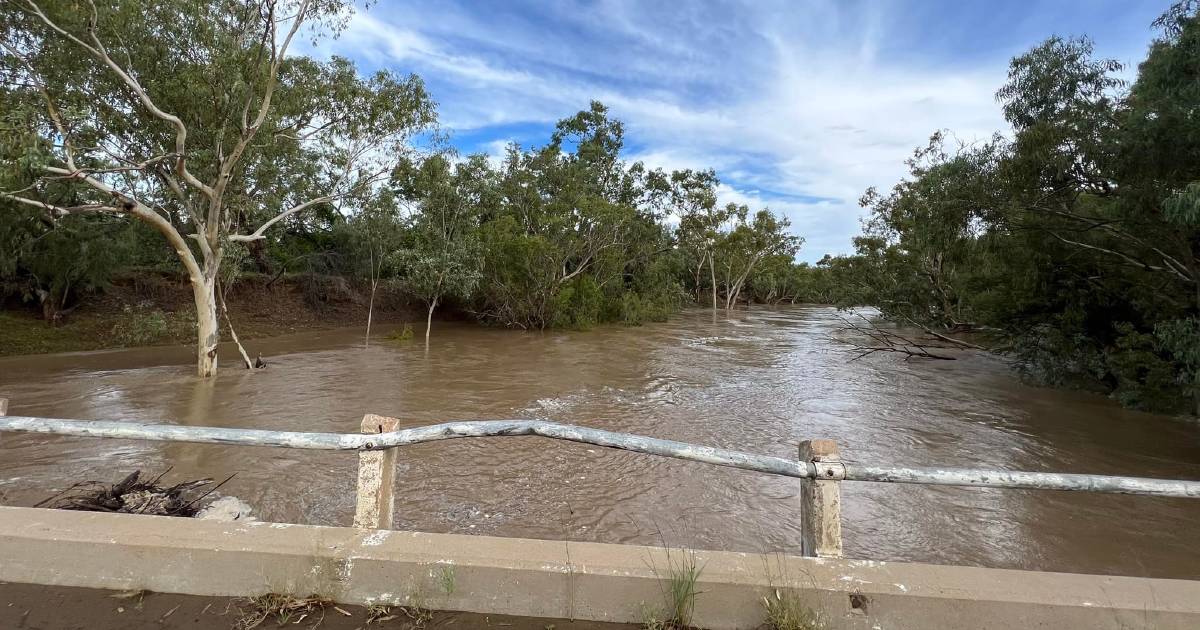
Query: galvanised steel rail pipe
[[832, 471], [405, 437]]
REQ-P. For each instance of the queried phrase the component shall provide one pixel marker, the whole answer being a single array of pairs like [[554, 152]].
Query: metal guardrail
[[819, 467], [624, 441]]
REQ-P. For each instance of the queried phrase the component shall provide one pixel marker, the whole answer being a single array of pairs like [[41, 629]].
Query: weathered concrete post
[[376, 478], [821, 500], [3, 406]]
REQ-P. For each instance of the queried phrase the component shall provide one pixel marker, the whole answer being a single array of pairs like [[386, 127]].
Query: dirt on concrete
[[34, 607]]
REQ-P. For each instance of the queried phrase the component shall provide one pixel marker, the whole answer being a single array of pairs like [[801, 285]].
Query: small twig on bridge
[[888, 341]]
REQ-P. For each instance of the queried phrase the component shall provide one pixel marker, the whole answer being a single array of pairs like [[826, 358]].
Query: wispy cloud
[[799, 106]]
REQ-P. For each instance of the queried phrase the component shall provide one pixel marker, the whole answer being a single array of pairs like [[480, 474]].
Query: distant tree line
[[188, 136], [1074, 238]]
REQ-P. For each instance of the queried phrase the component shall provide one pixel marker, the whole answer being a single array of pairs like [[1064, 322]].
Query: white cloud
[[796, 105]]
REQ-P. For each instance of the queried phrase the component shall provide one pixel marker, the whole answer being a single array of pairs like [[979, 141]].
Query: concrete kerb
[[557, 579]]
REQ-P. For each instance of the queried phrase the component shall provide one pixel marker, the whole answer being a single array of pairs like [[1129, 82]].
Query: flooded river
[[759, 381]]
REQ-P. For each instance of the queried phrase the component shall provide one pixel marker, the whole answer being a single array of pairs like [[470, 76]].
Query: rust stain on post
[[376, 478], [821, 500]]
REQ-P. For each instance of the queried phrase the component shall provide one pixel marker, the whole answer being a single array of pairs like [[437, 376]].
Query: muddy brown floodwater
[[759, 381]]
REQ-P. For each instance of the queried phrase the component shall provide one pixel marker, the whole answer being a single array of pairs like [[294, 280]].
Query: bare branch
[[258, 234], [1127, 258], [58, 210], [888, 341], [97, 50], [951, 340]]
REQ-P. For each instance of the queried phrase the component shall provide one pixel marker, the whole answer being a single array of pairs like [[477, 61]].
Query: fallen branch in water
[[947, 339], [889, 341]]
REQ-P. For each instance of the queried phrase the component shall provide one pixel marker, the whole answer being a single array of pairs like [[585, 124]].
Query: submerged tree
[[748, 244], [1076, 243], [375, 232], [194, 118], [442, 260], [692, 197]]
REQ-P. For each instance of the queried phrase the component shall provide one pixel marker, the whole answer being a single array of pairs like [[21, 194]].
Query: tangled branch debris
[[889, 341], [136, 495]]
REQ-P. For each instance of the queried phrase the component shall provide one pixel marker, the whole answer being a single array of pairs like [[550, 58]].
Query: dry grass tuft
[[785, 611], [283, 609]]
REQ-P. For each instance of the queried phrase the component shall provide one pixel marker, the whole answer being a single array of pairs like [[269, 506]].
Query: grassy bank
[[146, 309]]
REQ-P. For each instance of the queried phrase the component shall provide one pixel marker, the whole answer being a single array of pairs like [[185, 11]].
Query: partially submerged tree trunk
[[429, 321], [374, 287], [712, 272], [370, 312], [207, 327], [250, 365], [128, 166]]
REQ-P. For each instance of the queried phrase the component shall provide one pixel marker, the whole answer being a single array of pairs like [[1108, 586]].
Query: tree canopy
[[1074, 239]]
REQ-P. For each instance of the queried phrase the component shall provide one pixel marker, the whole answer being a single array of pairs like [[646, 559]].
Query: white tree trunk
[[712, 272], [232, 332], [207, 327], [429, 322], [370, 312]]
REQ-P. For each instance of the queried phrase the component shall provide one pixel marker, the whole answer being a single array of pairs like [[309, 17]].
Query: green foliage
[[578, 305], [447, 579], [403, 334], [143, 326], [211, 143], [198, 120], [786, 611], [57, 261], [1144, 377], [1184, 207], [1076, 243], [1181, 340], [441, 259], [572, 236], [682, 578]]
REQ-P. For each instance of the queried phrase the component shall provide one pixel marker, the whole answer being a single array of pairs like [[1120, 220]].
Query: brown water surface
[[758, 381]]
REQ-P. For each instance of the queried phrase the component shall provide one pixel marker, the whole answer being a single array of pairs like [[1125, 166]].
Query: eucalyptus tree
[[1159, 167], [748, 243], [570, 222], [442, 259], [376, 231], [196, 118], [925, 231], [1076, 242], [692, 198]]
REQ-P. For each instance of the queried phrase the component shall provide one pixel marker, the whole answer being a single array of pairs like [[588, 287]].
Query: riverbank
[[148, 309]]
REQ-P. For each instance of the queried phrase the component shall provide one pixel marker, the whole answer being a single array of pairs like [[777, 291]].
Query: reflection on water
[[760, 381]]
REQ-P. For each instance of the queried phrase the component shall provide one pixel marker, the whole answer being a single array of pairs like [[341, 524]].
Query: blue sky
[[799, 106]]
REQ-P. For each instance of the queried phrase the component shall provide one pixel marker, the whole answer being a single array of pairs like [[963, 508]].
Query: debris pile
[[138, 495]]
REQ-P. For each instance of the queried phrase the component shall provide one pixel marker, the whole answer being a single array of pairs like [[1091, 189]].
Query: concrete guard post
[[3, 406], [821, 500], [376, 478]]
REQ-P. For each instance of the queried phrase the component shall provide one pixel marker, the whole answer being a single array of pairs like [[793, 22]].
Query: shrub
[[142, 327]]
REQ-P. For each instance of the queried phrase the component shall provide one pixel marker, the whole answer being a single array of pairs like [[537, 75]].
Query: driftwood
[[889, 341], [135, 495]]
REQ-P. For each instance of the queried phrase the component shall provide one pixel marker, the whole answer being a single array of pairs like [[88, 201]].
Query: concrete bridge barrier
[[556, 579]]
